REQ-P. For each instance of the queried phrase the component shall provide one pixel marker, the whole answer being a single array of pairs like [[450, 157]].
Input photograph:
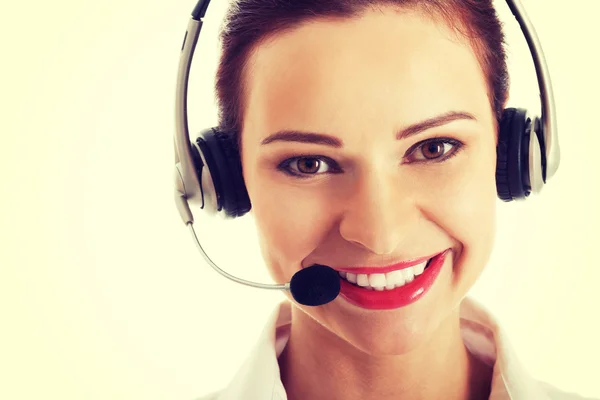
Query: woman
[[367, 136]]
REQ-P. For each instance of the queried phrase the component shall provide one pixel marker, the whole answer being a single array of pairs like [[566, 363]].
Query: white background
[[103, 294]]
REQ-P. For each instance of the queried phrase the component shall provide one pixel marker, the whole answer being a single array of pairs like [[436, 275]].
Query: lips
[[389, 268], [399, 296]]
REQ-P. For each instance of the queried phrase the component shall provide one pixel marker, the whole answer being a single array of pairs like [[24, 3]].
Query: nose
[[379, 215]]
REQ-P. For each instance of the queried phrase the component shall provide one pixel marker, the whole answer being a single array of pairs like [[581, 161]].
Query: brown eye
[[307, 165], [432, 150]]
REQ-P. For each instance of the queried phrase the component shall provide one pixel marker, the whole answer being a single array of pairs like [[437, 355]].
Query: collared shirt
[[259, 378]]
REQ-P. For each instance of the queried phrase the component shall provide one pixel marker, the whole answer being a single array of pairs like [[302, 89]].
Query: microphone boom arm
[[285, 286]]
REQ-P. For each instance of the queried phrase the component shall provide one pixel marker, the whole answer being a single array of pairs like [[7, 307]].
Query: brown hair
[[249, 23]]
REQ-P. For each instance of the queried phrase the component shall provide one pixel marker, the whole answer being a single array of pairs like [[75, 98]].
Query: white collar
[[259, 379]]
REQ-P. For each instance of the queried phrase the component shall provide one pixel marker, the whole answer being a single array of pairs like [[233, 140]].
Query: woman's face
[[375, 199]]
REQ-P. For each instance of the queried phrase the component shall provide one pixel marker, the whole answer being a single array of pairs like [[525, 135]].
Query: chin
[[402, 330], [390, 341]]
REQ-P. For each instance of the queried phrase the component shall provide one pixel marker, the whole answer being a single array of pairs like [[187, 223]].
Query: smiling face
[[406, 169]]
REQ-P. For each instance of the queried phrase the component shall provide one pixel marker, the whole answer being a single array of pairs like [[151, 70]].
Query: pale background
[[103, 293]]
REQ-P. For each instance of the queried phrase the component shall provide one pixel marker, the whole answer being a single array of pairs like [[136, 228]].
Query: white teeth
[[351, 277], [395, 277], [377, 280], [420, 268], [386, 281], [362, 280], [409, 274]]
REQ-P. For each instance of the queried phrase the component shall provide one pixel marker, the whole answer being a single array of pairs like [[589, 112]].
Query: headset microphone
[[311, 286]]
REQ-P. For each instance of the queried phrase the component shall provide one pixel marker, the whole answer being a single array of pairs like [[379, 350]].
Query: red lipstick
[[398, 297], [383, 270]]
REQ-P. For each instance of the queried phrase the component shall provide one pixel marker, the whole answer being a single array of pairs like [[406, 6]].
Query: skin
[[362, 80]]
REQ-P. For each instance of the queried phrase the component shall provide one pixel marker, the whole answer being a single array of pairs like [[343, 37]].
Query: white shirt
[[259, 379]]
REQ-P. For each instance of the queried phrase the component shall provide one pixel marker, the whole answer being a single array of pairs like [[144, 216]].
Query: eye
[[305, 166], [435, 150]]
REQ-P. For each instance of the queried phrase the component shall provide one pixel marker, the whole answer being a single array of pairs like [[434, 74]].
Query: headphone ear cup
[[512, 163], [240, 203], [224, 165], [537, 160]]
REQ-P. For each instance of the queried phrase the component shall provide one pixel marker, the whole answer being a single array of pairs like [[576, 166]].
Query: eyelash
[[457, 146]]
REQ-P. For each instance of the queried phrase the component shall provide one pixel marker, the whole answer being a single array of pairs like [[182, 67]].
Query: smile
[[387, 281], [393, 289]]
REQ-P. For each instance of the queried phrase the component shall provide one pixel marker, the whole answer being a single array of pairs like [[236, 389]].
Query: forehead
[[383, 66]]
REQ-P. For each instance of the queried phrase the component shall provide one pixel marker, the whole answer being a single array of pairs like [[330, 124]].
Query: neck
[[442, 368]]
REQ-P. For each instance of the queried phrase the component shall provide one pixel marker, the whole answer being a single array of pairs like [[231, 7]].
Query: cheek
[[477, 199], [471, 201], [291, 221], [468, 212]]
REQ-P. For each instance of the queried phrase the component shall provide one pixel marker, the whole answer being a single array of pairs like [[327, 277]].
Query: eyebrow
[[328, 140]]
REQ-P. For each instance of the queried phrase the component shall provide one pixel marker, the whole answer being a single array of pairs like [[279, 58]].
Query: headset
[[208, 171]]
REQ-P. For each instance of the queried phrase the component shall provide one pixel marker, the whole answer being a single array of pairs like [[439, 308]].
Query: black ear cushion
[[226, 174], [210, 150], [512, 165], [237, 186], [502, 185]]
